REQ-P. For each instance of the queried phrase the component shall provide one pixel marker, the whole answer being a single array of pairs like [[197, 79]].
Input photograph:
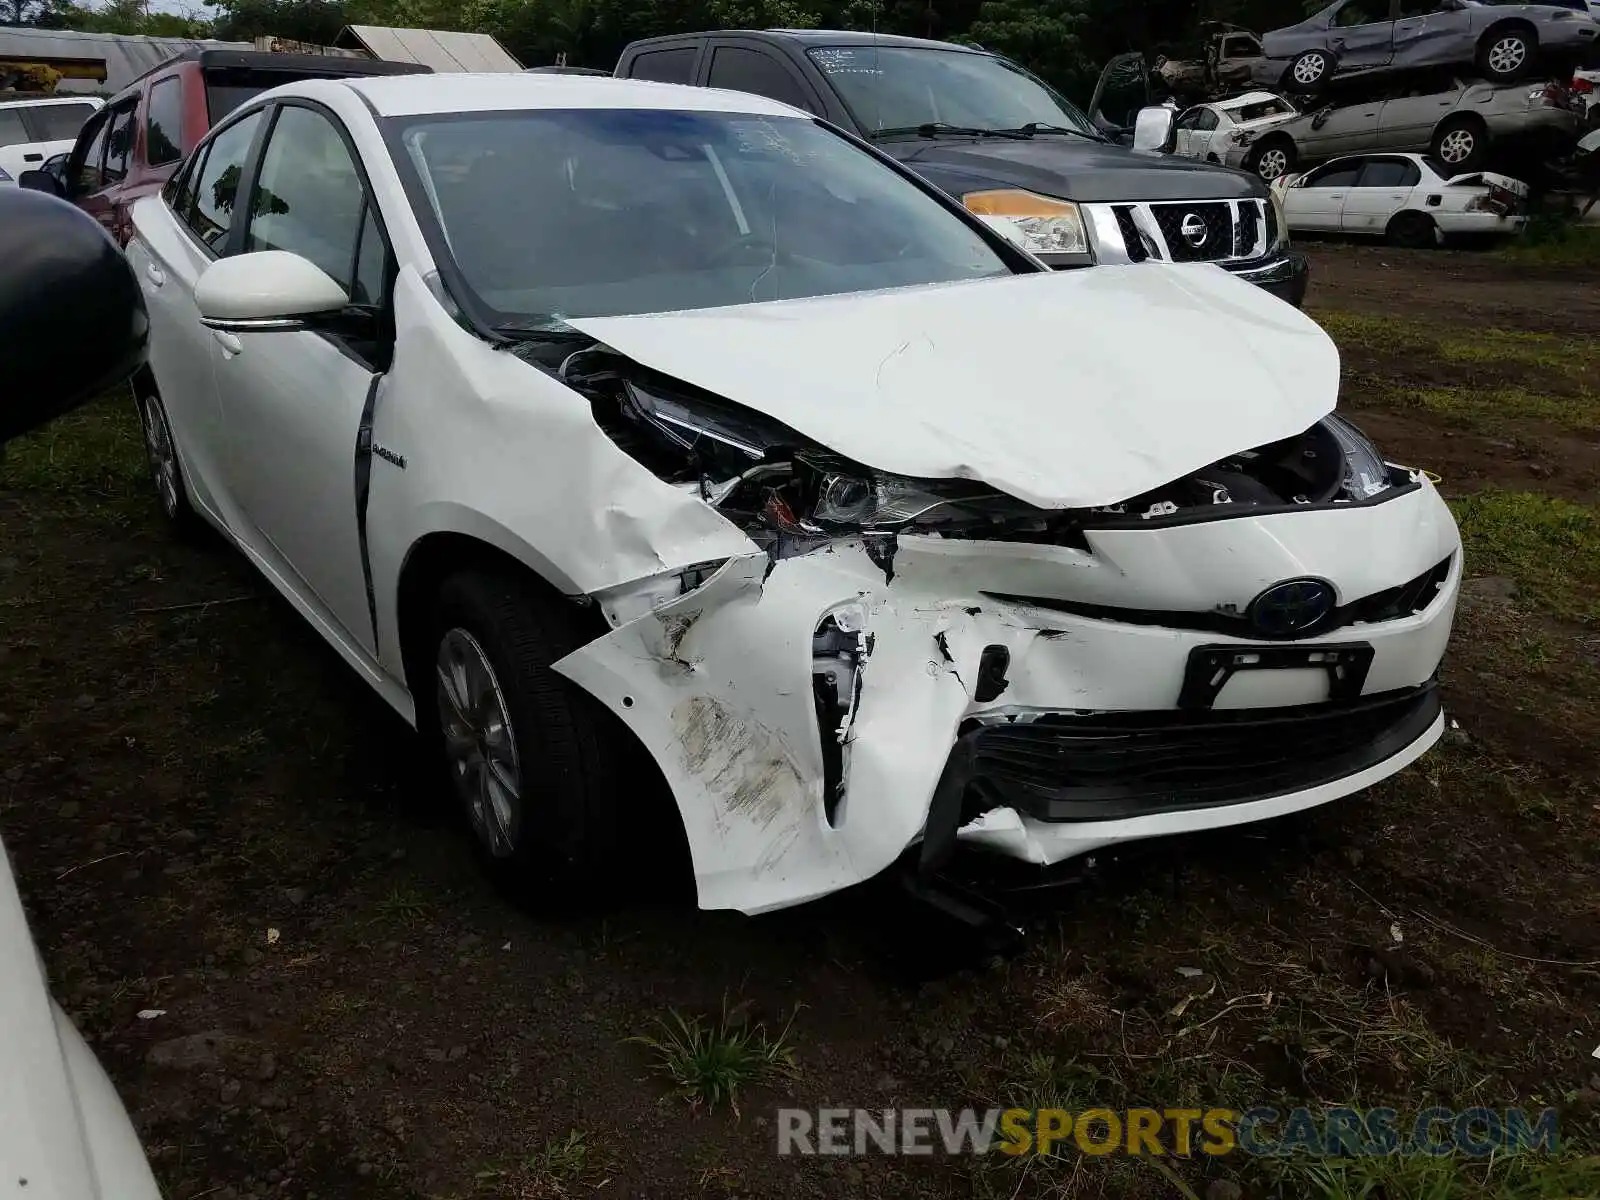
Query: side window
[[216, 182], [12, 131], [665, 66], [164, 124], [1390, 172], [119, 143], [58, 122], [309, 198], [1341, 174], [179, 192], [88, 177], [1356, 14], [1207, 122], [756, 72], [1190, 119]]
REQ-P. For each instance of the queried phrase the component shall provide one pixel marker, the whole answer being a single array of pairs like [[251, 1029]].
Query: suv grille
[[1195, 232]]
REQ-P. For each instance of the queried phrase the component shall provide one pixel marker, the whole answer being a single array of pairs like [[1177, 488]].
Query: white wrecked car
[[64, 1134], [565, 407]]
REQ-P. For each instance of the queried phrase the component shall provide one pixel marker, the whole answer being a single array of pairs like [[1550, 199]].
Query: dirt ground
[[209, 816]]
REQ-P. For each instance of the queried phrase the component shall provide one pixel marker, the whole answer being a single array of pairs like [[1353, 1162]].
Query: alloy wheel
[[1507, 55], [479, 742], [1272, 164], [1310, 68], [1457, 146], [163, 456]]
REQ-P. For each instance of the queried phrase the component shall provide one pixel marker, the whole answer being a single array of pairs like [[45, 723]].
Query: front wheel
[[1461, 143], [1309, 71], [525, 750]]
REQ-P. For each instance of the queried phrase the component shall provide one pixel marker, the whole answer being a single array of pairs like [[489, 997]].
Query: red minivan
[[134, 144]]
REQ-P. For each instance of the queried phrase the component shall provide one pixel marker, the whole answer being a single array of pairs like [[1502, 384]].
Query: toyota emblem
[[1193, 228], [1291, 608]]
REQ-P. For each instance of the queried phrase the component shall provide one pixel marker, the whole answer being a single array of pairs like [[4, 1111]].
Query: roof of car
[[408, 95], [1233, 102], [9, 101], [824, 37]]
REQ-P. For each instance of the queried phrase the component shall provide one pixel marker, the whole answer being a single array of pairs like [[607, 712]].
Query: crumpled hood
[[62, 1128], [1066, 389]]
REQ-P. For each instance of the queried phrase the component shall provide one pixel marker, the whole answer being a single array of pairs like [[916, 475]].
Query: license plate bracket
[[1210, 667]]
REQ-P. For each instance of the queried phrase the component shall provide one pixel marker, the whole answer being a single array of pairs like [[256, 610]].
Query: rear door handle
[[230, 344], [155, 274], [33, 158]]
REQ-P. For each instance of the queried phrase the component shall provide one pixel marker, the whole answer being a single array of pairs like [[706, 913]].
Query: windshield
[[551, 214], [902, 87]]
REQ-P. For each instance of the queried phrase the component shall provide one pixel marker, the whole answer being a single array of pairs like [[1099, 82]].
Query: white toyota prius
[[583, 415]]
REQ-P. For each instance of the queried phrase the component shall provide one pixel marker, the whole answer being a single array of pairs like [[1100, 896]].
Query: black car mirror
[[72, 319], [42, 180]]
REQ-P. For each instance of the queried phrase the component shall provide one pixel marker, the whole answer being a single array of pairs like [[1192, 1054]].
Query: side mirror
[[72, 318], [42, 180], [267, 290], [1153, 128]]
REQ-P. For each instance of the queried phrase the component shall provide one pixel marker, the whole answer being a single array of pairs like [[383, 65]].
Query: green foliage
[[1043, 35]]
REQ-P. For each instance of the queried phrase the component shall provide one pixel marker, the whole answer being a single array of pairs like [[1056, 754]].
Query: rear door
[[1383, 188], [1407, 121], [16, 142], [1347, 129], [54, 127], [740, 65], [1317, 201], [1429, 32], [177, 235]]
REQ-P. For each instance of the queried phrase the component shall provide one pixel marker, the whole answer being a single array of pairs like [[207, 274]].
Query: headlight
[[1047, 226], [872, 502], [1365, 473]]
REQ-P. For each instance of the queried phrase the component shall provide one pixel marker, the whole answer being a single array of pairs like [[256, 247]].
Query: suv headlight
[[1046, 225]]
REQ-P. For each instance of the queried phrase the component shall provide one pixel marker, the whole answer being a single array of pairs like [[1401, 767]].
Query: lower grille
[[1114, 765]]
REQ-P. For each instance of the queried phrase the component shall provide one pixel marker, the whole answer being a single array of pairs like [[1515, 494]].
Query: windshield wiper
[[1033, 127], [935, 128]]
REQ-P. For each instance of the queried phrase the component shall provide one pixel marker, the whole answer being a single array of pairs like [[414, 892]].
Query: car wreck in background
[[1214, 132], [1230, 59], [1408, 199], [1502, 42], [1463, 124]]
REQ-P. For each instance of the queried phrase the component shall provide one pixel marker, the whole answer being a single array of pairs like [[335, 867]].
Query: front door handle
[[155, 274], [230, 343], [33, 158]]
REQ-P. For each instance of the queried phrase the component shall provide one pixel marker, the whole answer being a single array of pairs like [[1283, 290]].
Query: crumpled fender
[[716, 684]]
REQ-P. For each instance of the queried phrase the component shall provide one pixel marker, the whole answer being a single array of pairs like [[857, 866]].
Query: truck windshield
[[551, 214], [892, 89]]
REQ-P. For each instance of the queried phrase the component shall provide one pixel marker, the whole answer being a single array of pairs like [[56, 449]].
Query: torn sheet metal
[[718, 683], [889, 378]]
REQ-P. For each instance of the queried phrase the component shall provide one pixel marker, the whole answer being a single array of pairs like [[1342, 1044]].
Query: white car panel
[[64, 1135], [1043, 386], [21, 156], [1457, 205]]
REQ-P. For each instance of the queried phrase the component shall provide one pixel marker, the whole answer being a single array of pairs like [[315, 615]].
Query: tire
[[166, 470], [1460, 143], [544, 815], [1274, 157], [1308, 71], [1413, 229], [1506, 53]]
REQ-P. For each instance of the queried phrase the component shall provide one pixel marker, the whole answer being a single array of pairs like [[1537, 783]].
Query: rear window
[[12, 131], [59, 122], [664, 66], [1261, 108]]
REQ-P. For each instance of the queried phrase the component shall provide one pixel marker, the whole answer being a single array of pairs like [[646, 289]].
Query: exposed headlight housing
[[1365, 472], [1046, 225]]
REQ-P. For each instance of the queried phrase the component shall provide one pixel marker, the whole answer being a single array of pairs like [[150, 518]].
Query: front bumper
[[720, 686], [1285, 274]]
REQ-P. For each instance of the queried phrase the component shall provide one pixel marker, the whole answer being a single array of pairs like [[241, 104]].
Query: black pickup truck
[[1005, 143]]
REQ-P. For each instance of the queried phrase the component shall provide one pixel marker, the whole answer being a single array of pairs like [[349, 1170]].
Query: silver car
[[1455, 123], [1501, 40]]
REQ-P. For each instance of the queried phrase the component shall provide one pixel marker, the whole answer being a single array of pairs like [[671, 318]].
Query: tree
[[1043, 35], [316, 21]]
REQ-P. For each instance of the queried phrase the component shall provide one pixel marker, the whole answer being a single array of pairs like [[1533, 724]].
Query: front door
[[293, 402], [1362, 35], [1317, 201]]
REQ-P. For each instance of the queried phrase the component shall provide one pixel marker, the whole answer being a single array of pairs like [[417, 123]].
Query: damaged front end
[[902, 664]]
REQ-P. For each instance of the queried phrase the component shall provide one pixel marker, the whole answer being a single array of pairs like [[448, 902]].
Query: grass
[[1550, 547], [1510, 1177], [1555, 243], [98, 449], [561, 1167], [709, 1062]]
